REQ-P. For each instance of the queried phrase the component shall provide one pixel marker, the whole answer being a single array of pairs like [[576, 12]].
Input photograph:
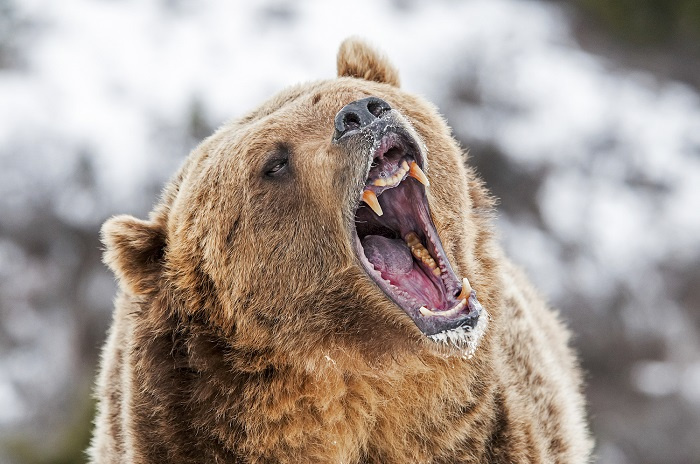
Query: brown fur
[[357, 59], [246, 330]]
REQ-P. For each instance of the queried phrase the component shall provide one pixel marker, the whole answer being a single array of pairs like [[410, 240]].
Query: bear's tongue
[[394, 260], [389, 256]]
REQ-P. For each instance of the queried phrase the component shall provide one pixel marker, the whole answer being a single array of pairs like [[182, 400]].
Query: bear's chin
[[399, 248]]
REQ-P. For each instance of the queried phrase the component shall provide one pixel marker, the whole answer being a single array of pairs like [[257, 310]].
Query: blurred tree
[[70, 448], [8, 30], [647, 22], [659, 36]]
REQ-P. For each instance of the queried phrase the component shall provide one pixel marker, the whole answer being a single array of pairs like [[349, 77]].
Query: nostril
[[351, 121], [357, 115], [378, 108]]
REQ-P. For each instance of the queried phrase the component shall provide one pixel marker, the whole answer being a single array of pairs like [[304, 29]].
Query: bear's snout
[[357, 115]]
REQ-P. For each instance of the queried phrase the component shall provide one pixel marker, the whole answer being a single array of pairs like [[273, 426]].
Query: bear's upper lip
[[397, 243]]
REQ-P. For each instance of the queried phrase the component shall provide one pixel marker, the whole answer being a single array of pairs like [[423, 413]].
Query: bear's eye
[[278, 163], [277, 167]]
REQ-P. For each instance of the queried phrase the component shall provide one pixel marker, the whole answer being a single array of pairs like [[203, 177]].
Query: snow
[[464, 339]]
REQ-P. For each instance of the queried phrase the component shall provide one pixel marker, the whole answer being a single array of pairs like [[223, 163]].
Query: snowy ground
[[598, 169]]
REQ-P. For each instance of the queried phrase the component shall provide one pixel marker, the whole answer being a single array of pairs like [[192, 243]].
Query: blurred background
[[583, 116]]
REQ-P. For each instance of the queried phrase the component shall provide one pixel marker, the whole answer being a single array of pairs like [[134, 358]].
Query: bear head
[[339, 216]]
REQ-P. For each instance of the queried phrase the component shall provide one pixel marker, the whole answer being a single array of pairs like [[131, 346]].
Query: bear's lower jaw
[[398, 246]]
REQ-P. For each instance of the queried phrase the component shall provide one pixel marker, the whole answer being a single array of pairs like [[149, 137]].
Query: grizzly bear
[[320, 283]]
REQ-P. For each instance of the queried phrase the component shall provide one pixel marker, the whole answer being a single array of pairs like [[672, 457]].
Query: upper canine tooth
[[370, 198], [417, 173], [466, 289]]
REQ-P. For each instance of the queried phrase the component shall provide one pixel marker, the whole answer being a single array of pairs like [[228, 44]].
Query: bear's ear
[[134, 252], [357, 59]]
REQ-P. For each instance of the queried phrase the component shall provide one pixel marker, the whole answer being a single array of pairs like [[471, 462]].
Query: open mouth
[[397, 243]]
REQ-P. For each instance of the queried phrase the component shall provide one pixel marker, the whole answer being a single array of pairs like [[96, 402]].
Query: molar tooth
[[436, 272], [417, 173], [404, 166], [370, 198], [466, 290], [412, 239], [379, 182], [417, 252]]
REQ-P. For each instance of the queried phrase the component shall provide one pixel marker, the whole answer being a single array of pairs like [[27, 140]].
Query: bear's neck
[[220, 402]]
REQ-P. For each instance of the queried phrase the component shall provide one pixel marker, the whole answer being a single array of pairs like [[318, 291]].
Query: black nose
[[359, 114]]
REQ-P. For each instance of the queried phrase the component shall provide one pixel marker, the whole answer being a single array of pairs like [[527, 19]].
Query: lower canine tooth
[[370, 198], [426, 312], [466, 289]]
